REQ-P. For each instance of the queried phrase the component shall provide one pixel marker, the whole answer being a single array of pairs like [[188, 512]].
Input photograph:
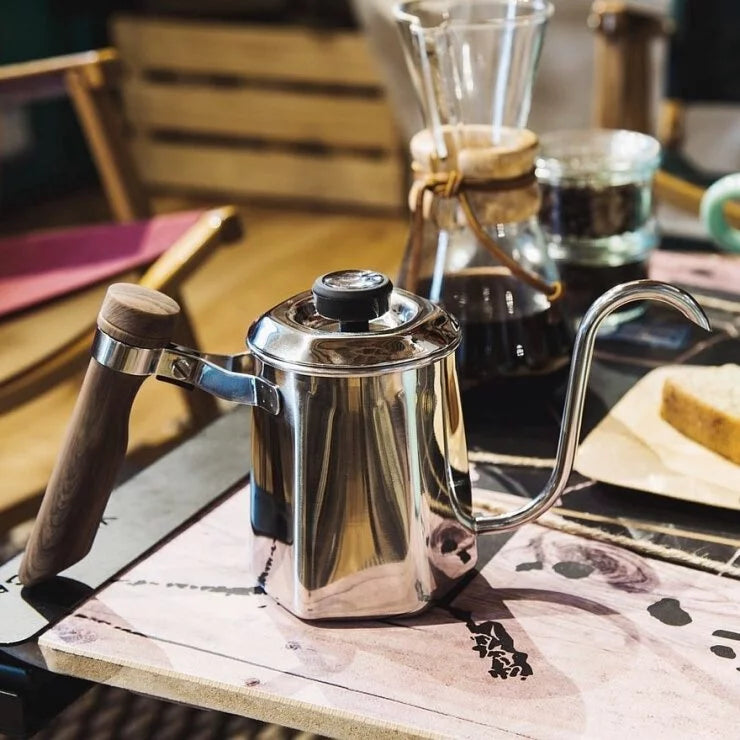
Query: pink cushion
[[47, 264]]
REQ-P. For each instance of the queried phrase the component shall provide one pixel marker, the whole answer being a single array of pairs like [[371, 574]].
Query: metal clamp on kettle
[[360, 493]]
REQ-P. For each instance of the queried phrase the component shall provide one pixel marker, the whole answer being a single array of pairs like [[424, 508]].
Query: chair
[[702, 67], [159, 252]]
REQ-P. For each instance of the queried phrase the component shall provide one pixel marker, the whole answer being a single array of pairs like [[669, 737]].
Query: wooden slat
[[259, 113], [338, 178], [42, 79], [266, 52]]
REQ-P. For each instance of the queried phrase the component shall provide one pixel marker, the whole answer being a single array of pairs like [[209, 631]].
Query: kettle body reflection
[[380, 537]]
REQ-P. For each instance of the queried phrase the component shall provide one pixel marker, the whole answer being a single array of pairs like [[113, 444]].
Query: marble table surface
[[555, 636]]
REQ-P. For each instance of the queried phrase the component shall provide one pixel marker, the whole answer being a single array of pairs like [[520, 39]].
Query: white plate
[[635, 448]]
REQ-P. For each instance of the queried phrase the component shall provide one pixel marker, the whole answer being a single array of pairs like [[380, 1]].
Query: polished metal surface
[[295, 337], [221, 375], [351, 487], [354, 279], [570, 429], [122, 357], [225, 376], [361, 497]]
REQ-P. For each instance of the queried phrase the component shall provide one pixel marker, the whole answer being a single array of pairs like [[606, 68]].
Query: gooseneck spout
[[570, 430]]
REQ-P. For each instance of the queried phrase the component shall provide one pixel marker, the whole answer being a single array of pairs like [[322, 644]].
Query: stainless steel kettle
[[360, 493]]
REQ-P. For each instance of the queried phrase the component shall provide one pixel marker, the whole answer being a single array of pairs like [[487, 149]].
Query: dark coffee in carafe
[[505, 345]]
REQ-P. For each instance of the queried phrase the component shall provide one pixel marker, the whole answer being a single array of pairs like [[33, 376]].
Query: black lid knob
[[352, 297]]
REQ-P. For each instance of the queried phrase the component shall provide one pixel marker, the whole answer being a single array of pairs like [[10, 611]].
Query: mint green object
[[727, 188]]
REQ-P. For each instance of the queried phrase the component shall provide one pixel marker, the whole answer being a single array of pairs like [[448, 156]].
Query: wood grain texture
[[237, 117], [138, 316], [256, 51], [102, 126], [87, 467], [556, 636], [271, 115], [96, 441], [339, 178]]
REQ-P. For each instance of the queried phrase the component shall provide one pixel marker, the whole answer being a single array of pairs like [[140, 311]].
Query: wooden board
[[555, 637], [265, 52], [272, 115], [207, 100], [336, 178]]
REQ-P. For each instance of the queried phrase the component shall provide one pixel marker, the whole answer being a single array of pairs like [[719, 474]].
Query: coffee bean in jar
[[593, 211], [597, 209]]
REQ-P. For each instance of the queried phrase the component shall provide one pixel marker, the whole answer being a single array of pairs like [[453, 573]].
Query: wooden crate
[[259, 111]]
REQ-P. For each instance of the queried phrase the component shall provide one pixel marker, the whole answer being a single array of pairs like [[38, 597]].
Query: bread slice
[[704, 404]]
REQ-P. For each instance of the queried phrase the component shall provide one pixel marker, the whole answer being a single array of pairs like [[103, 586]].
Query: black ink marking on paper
[[234, 591], [268, 565], [723, 651], [423, 597], [669, 611], [293, 645], [226, 590], [105, 622], [464, 556], [448, 545], [493, 641], [573, 569], [727, 634], [251, 682], [535, 565], [620, 569]]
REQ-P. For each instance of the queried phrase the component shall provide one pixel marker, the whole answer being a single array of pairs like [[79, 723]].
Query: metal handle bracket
[[224, 376]]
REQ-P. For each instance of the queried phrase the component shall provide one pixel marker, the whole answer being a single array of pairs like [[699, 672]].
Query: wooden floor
[[281, 254]]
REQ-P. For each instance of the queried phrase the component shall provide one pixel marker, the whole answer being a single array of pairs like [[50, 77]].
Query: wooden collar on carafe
[[494, 184], [476, 165]]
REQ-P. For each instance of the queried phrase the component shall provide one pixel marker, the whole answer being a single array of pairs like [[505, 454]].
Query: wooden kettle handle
[[95, 443]]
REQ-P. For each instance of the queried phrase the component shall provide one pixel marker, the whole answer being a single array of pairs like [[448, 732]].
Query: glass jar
[[597, 210]]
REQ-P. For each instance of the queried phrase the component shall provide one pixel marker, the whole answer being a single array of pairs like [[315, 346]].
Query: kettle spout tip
[[693, 311], [674, 296], [703, 322]]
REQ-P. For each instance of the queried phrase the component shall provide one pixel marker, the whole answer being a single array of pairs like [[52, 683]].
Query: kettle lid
[[353, 322]]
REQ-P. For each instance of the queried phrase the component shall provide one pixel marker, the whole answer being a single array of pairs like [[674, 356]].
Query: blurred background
[[228, 152], [297, 111]]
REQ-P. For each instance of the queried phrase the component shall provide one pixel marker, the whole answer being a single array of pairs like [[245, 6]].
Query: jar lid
[[595, 155], [353, 322]]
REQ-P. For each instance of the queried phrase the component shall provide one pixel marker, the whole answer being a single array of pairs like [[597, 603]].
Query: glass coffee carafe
[[476, 246]]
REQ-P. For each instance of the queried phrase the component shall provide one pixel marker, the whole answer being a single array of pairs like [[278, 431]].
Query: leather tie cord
[[454, 184]]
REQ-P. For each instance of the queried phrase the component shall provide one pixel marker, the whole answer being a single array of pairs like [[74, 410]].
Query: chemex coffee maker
[[360, 492], [476, 246]]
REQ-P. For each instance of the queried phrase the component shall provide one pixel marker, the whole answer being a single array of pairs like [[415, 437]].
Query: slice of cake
[[704, 404]]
